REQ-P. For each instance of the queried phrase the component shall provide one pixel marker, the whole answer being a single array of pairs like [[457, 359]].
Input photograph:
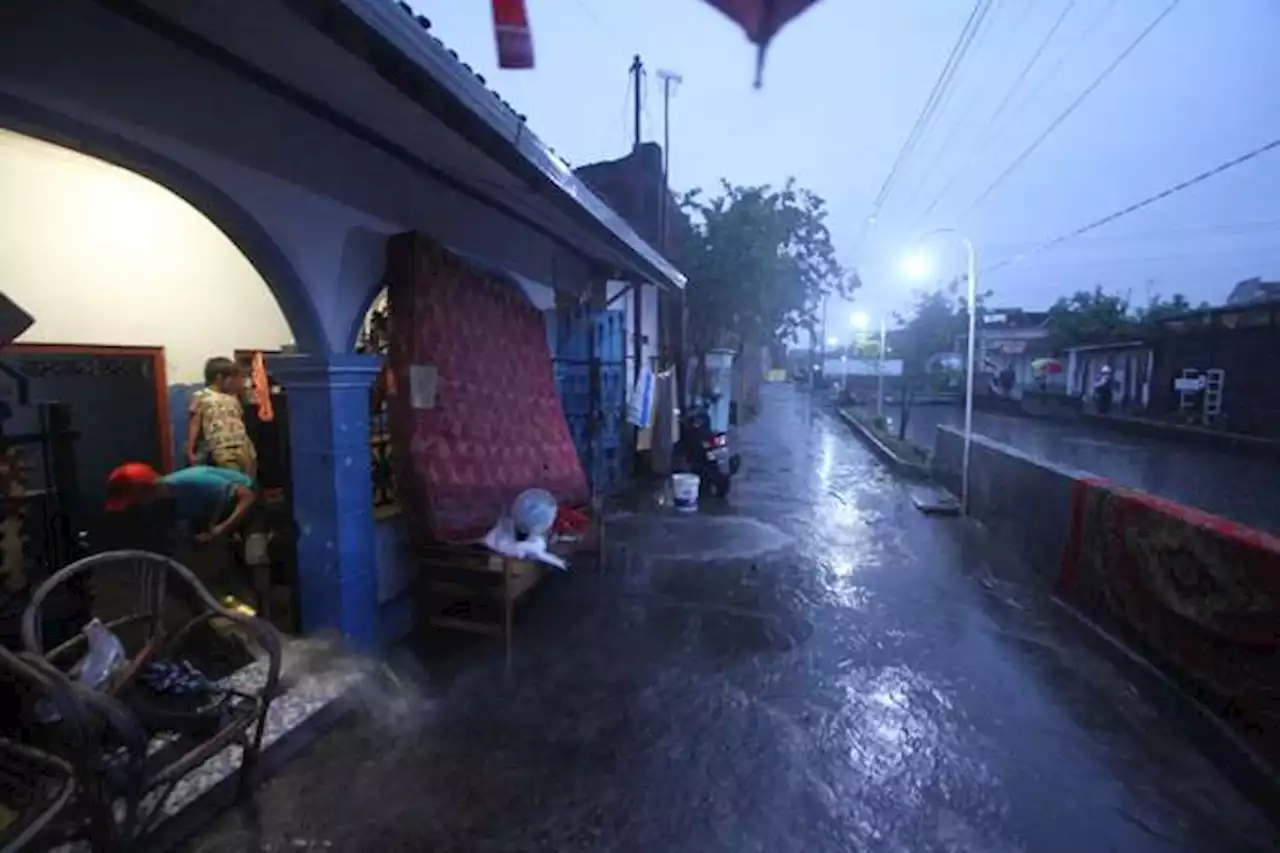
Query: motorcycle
[[706, 453]]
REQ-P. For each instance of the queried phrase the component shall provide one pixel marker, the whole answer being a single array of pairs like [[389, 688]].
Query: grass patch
[[906, 452]]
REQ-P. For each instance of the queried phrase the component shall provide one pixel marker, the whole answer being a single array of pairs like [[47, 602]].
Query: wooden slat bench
[[470, 588]]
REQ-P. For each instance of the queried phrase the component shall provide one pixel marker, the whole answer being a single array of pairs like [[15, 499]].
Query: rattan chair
[[154, 604], [46, 771]]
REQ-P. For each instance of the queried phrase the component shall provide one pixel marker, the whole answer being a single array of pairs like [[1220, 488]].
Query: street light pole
[[970, 370], [880, 372], [970, 359]]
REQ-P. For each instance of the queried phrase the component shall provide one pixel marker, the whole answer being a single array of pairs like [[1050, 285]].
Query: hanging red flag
[[511, 30], [761, 19]]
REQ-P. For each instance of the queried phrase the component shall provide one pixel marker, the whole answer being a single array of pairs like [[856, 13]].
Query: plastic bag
[[502, 539], [105, 657]]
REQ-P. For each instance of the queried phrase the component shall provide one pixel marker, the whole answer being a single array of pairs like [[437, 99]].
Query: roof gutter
[[504, 135]]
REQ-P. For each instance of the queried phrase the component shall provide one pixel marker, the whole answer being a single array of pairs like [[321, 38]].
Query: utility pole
[[670, 80], [637, 88]]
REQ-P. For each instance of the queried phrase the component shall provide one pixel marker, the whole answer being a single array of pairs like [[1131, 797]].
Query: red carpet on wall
[[1200, 592], [495, 426]]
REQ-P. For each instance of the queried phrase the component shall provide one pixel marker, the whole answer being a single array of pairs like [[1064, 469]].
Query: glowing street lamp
[[917, 266]]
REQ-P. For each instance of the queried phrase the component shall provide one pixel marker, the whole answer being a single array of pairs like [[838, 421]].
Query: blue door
[[591, 379]]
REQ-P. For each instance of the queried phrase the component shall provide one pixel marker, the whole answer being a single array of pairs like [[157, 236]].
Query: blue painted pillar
[[328, 400]]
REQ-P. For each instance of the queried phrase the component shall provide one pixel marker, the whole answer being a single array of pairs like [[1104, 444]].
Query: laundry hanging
[[762, 19]]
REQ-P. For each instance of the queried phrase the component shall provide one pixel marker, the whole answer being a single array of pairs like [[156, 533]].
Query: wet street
[[819, 668], [1237, 487]]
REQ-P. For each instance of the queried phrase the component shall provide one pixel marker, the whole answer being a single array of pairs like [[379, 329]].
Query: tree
[[936, 322], [1091, 317], [938, 319], [1158, 309], [759, 262], [1097, 317]]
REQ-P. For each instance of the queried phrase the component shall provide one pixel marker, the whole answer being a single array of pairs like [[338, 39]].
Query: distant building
[[1132, 364], [1254, 290], [1009, 340], [1236, 347]]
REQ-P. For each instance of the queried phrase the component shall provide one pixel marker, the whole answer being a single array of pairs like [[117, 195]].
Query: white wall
[[100, 255], [325, 197]]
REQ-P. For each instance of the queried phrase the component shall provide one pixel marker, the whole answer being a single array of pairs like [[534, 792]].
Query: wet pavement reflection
[[816, 668]]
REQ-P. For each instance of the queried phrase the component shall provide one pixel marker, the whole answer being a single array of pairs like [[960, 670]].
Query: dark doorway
[[117, 405]]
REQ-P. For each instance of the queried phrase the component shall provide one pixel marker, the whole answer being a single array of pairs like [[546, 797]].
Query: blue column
[[328, 400]]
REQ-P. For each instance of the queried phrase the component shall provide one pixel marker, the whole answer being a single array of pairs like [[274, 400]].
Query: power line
[[1146, 202], [601, 25], [1229, 230], [993, 122], [943, 98], [944, 77], [620, 127], [967, 111], [1089, 90]]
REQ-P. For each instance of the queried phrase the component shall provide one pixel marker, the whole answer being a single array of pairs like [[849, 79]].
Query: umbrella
[[762, 19], [1049, 366]]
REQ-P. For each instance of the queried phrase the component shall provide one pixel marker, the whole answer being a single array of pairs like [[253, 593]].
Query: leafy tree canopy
[[935, 322], [759, 262], [1098, 317]]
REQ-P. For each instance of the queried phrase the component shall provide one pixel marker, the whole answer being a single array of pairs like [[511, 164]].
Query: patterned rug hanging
[[762, 19]]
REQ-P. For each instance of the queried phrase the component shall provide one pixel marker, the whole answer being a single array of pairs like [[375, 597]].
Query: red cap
[[126, 483]]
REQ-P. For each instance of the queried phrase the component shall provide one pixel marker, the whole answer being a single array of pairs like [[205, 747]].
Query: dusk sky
[[845, 82]]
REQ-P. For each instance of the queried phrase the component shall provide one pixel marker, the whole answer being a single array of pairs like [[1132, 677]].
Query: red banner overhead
[[762, 19], [511, 31]]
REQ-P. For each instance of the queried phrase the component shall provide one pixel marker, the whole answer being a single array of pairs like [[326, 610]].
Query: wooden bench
[[470, 588]]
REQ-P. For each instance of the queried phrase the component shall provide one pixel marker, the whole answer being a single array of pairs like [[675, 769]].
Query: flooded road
[[1237, 487], [820, 668]]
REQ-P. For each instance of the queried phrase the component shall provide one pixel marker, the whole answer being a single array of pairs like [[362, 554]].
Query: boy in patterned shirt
[[216, 433]]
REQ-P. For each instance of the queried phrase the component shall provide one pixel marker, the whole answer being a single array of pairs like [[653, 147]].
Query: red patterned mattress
[[495, 426], [1201, 593]]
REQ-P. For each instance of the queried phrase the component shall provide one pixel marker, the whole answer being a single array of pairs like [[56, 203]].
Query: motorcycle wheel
[[720, 485]]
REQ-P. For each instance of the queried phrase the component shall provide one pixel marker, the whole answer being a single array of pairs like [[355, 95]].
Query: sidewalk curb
[[900, 466], [1223, 746]]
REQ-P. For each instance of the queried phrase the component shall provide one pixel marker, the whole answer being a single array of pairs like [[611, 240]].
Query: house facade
[[1132, 366], [1009, 340], [306, 134], [1232, 348]]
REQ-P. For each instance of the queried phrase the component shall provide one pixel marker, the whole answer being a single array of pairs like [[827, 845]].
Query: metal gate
[[591, 375]]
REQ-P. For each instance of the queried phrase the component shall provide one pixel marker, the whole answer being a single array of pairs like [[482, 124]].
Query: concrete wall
[[1022, 500], [99, 255], [1196, 594]]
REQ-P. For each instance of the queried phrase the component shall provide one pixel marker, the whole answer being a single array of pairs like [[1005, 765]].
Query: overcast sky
[[845, 82]]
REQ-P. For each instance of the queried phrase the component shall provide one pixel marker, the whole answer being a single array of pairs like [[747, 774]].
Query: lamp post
[[918, 266]]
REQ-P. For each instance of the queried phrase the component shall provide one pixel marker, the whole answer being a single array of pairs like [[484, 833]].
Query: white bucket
[[684, 491]]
